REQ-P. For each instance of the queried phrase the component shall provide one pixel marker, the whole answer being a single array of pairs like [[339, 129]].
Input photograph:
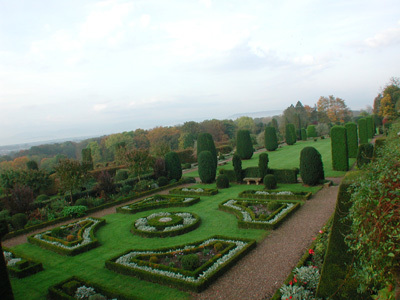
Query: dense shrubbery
[[362, 131], [270, 138], [340, 159], [244, 145], [311, 131], [311, 167], [290, 134], [270, 182], [222, 181], [352, 139], [365, 154], [173, 166], [207, 168]]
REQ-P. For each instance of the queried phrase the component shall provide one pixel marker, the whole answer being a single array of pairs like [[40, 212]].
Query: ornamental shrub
[[362, 131], [153, 259], [121, 175], [237, 166], [270, 138], [365, 154], [244, 145], [207, 168], [270, 182], [18, 221], [311, 166], [173, 166], [352, 139], [340, 159], [74, 211], [311, 131], [263, 164], [162, 181], [290, 134], [190, 262], [303, 134], [370, 127], [218, 246], [222, 181], [205, 142]]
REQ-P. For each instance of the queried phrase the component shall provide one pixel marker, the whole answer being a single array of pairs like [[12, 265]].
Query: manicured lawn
[[288, 157]]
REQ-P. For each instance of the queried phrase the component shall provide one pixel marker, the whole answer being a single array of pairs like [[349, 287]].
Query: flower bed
[[165, 224], [194, 191], [19, 266], [284, 195], [259, 214], [77, 288], [70, 239], [189, 267], [157, 201]]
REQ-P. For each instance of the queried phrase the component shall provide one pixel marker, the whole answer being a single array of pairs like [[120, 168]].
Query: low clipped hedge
[[267, 224], [25, 267], [167, 201], [194, 192], [252, 194], [163, 234], [251, 172], [199, 283], [229, 173], [59, 290], [285, 175], [66, 250]]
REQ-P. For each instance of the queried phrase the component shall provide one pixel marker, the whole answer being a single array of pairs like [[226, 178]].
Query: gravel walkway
[[260, 273]]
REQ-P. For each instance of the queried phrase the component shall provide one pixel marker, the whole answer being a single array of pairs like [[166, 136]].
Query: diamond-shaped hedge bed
[[190, 267], [259, 214], [70, 239]]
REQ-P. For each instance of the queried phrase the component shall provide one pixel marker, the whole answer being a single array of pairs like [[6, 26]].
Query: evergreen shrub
[[290, 134], [205, 142], [263, 164], [340, 159], [285, 175], [365, 154], [270, 138], [237, 166], [173, 166], [370, 127], [253, 172], [303, 134], [352, 139], [18, 221], [186, 156], [270, 182], [229, 173], [162, 181], [222, 181], [311, 167], [207, 168], [244, 145], [362, 131], [311, 131], [190, 262]]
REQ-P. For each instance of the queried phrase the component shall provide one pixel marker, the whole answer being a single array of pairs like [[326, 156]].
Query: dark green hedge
[[270, 138], [237, 167], [352, 139], [285, 175], [205, 142], [186, 156], [303, 133], [365, 154], [173, 166], [26, 268], [311, 166], [252, 172], [181, 284], [263, 164], [251, 194], [311, 131], [290, 134], [57, 292], [362, 131], [340, 159], [206, 167], [244, 145], [370, 127], [229, 173], [206, 192]]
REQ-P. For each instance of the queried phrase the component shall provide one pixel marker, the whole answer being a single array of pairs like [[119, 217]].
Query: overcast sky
[[80, 67]]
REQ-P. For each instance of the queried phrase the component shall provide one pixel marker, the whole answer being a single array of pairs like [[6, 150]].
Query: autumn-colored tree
[[96, 151], [138, 161], [72, 175], [335, 109], [246, 123], [386, 108], [20, 162], [216, 128], [163, 137]]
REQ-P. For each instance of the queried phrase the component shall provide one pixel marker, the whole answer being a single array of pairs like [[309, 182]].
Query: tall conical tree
[[352, 139], [340, 158], [271, 140], [173, 166], [244, 146], [207, 169], [205, 142]]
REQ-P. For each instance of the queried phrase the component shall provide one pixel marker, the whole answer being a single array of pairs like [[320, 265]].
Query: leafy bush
[[263, 164], [207, 168], [105, 183], [362, 131], [311, 131], [121, 175], [237, 166], [270, 138], [222, 181], [290, 134], [162, 181], [311, 167], [74, 211], [42, 198], [352, 139], [173, 166], [82, 202], [340, 159], [19, 221], [190, 262], [159, 167], [205, 142], [270, 182], [365, 154], [244, 145]]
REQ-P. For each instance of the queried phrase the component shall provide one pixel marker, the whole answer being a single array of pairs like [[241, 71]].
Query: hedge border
[[157, 205], [297, 196], [178, 283], [55, 292], [34, 266], [163, 234], [250, 225], [207, 192], [70, 252]]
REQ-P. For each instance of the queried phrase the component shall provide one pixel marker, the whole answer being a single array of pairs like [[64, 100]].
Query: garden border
[[250, 194], [32, 268], [206, 192]]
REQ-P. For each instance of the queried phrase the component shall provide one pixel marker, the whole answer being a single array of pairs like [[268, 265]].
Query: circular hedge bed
[[165, 224]]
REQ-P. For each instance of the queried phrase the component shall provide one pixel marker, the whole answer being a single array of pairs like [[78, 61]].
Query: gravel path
[[260, 273]]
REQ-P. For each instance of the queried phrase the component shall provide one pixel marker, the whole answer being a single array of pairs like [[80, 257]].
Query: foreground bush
[[340, 159], [311, 167]]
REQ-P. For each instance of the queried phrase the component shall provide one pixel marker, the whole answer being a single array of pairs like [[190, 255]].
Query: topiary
[[190, 262], [311, 131], [162, 181], [263, 164], [352, 139], [237, 166], [206, 167], [311, 167], [205, 142], [303, 134], [19, 221], [270, 138], [362, 131], [365, 154], [270, 182], [370, 127], [290, 134], [222, 181], [244, 146], [121, 175], [340, 159], [173, 166]]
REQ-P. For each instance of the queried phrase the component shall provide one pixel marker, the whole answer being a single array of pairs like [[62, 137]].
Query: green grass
[[288, 157]]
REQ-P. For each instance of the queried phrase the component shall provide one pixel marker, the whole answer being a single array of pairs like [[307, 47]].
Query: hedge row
[[173, 201], [199, 286], [362, 131], [194, 192], [285, 175], [70, 252], [259, 225], [25, 267], [352, 139], [251, 194], [63, 289], [340, 159]]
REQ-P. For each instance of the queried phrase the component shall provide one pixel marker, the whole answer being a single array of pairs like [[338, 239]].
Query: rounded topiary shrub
[[311, 131], [290, 134], [365, 154], [121, 175], [244, 145], [205, 142], [222, 181], [270, 182], [352, 139], [190, 262], [311, 167], [19, 221], [173, 166], [270, 138], [207, 168], [340, 158], [162, 181]]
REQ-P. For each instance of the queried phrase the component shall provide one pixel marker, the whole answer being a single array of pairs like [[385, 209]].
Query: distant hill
[[258, 114]]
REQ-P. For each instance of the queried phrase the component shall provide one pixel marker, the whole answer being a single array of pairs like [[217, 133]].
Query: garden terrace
[[188, 191], [259, 213], [157, 201], [212, 257], [271, 195], [19, 266], [71, 239]]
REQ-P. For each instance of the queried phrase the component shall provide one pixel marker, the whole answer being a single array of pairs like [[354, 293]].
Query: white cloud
[[206, 3], [388, 37], [145, 20], [99, 107]]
